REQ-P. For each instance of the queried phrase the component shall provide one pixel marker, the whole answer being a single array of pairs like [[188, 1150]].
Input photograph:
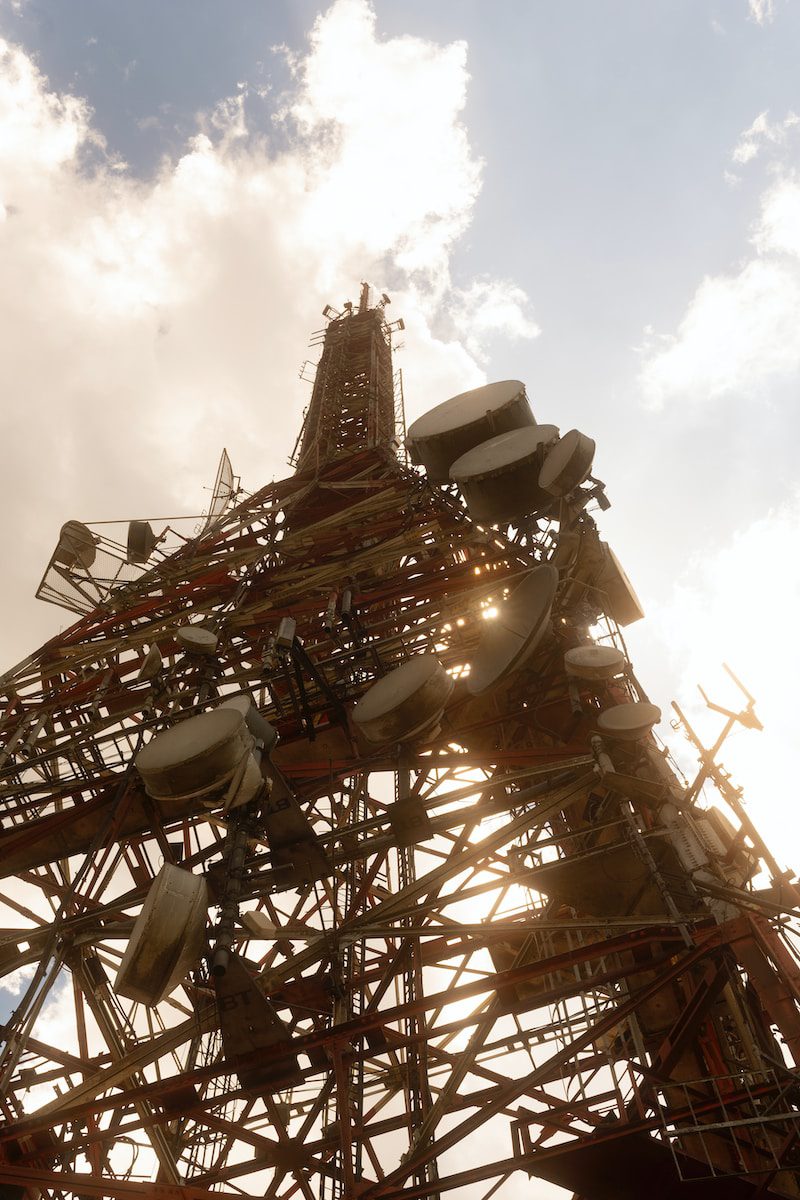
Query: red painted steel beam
[[354, 1029], [675, 967], [120, 1189], [528, 1162]]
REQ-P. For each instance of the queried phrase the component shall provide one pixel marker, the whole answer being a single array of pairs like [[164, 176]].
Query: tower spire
[[352, 403]]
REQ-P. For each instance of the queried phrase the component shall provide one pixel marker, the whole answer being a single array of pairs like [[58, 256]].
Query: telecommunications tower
[[340, 859]]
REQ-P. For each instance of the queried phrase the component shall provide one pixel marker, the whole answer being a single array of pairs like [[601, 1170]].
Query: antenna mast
[[352, 403]]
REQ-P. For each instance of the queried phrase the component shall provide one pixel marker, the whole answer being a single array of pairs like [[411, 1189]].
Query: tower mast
[[339, 857], [352, 402]]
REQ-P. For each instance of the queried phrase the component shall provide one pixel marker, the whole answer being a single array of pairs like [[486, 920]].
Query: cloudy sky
[[598, 197]]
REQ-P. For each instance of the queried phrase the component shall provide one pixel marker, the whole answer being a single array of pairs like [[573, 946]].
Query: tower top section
[[353, 403]]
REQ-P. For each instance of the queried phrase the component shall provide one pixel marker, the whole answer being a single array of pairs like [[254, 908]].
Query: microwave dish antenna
[[499, 478], [225, 488], [445, 433], [512, 637]]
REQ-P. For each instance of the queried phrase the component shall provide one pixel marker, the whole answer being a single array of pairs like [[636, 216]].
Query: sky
[[598, 197]]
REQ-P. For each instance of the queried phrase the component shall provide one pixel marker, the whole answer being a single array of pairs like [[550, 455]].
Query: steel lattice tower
[[503, 940]]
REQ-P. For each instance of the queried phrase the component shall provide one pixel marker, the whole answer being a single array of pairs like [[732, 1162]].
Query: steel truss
[[534, 982]]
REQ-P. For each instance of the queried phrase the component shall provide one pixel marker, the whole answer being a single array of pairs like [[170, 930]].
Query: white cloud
[[738, 332], [778, 227], [488, 307], [762, 11], [762, 132], [741, 331], [15, 981], [40, 131], [146, 324], [395, 159], [736, 604]]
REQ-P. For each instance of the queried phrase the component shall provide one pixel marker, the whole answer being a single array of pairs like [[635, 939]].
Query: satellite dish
[[141, 541], [567, 464], [223, 491], [510, 639], [168, 938], [196, 640], [443, 434], [594, 662], [405, 703], [198, 756], [499, 479], [76, 546], [629, 722], [151, 666]]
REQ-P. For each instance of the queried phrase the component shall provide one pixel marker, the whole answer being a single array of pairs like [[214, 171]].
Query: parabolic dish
[[198, 755], [440, 436], [567, 463], [511, 638], [76, 545], [501, 452], [629, 722], [499, 478], [168, 937], [404, 703], [141, 541], [197, 640], [151, 666], [594, 662]]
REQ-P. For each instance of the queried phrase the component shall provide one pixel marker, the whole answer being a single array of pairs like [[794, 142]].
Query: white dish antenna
[[168, 938], [200, 756], [499, 479], [594, 662], [197, 640], [445, 433], [568, 463], [405, 703], [151, 665], [510, 640], [629, 722], [225, 488]]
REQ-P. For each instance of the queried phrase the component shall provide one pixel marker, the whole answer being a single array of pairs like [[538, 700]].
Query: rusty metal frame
[[433, 992]]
